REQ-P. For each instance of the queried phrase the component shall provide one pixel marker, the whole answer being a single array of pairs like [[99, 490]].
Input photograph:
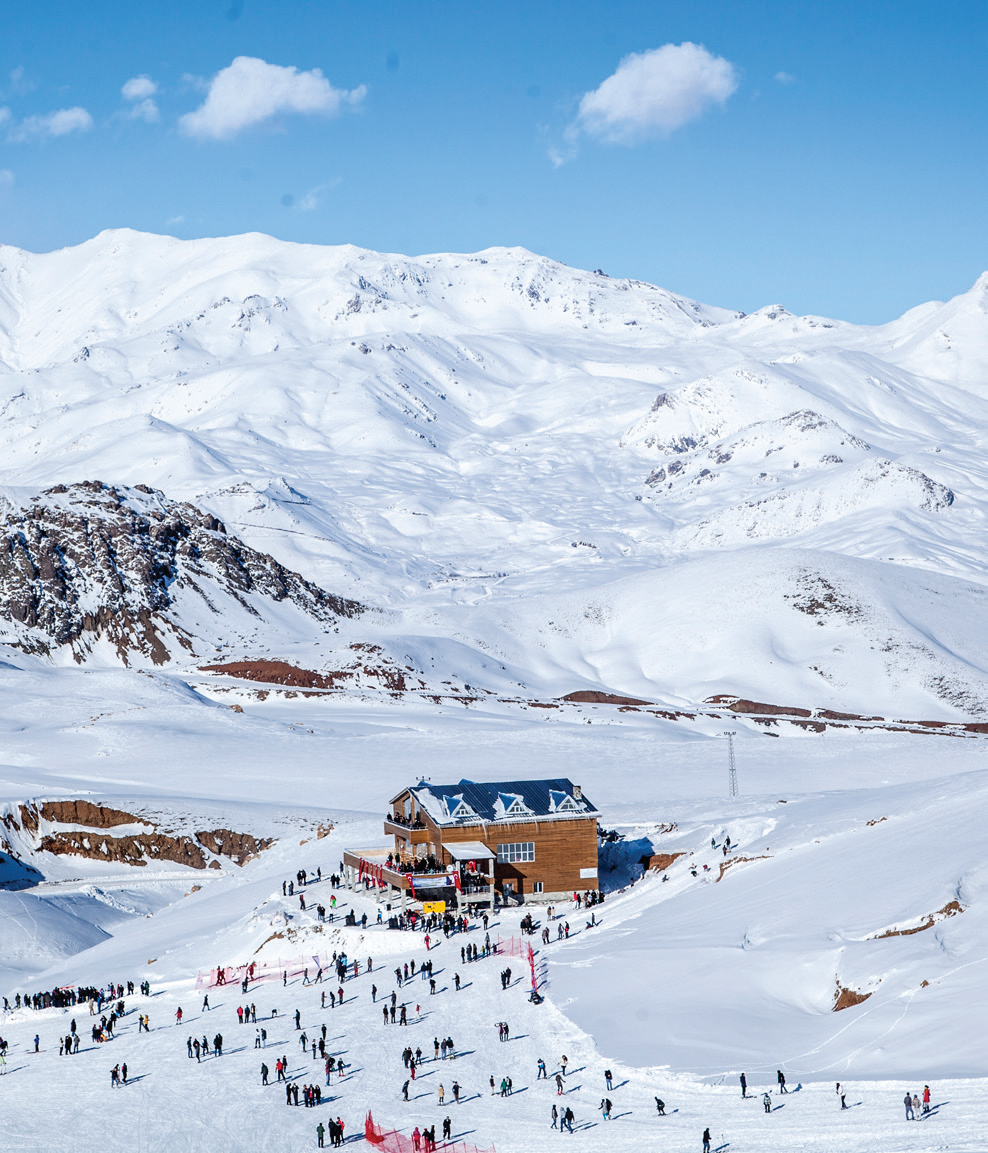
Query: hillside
[[441, 434]]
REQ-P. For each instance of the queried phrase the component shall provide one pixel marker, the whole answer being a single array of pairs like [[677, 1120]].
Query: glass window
[[537, 887], [519, 851]]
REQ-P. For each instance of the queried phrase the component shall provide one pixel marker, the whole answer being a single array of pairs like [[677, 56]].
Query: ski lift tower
[[732, 768]]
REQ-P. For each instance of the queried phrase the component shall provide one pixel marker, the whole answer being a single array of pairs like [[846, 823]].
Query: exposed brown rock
[[381, 670], [846, 998], [732, 861], [239, 847], [593, 697], [89, 561], [134, 850], [84, 812], [660, 861], [951, 909], [741, 705]]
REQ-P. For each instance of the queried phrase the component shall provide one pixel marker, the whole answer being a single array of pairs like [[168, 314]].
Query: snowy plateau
[[286, 528]]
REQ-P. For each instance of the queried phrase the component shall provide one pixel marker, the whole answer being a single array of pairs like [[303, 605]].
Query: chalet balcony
[[414, 834]]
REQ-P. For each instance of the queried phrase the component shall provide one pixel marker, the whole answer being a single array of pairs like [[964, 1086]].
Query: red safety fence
[[272, 971], [520, 947], [391, 1141]]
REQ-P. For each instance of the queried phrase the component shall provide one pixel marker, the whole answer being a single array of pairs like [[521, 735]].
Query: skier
[[660, 1106]]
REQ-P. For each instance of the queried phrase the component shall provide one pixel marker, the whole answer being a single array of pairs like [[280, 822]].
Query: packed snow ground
[[681, 986], [550, 480]]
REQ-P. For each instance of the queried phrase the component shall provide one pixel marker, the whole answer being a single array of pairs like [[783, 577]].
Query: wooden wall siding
[[562, 849]]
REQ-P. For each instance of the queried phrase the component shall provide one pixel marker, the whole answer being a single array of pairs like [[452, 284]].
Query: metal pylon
[[731, 766]]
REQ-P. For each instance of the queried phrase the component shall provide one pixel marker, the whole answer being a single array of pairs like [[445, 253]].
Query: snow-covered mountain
[[450, 437]]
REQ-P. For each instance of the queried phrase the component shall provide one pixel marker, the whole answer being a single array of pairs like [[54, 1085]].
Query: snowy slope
[[428, 433]]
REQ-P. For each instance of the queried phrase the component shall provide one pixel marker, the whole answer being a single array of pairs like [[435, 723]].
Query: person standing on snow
[[706, 1141], [608, 1079], [555, 1117], [320, 1134], [744, 1086], [908, 1102], [767, 1102], [781, 1078], [605, 1108], [926, 1098]]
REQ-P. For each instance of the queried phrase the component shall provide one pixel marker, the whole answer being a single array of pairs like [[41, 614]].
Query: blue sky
[[827, 156]]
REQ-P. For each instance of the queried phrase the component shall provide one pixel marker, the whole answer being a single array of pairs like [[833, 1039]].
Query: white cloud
[[58, 123], [4, 114], [250, 90], [175, 220], [310, 201], [139, 88], [6, 178], [653, 93], [785, 78], [145, 110]]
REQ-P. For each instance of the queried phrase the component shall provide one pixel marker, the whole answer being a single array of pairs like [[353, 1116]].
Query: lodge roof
[[472, 803]]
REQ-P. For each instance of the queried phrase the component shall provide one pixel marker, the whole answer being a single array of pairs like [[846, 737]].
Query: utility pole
[[731, 766]]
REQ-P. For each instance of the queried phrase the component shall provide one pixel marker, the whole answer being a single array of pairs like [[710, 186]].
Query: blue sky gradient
[[851, 185]]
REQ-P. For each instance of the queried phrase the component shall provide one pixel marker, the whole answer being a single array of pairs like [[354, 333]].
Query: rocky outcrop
[[594, 697], [239, 847], [360, 665], [41, 821], [90, 562], [127, 850]]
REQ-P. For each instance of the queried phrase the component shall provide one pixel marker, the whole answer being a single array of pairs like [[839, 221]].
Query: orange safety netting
[[391, 1141]]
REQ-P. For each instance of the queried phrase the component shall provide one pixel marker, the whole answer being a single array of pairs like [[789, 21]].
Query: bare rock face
[[89, 562], [45, 825]]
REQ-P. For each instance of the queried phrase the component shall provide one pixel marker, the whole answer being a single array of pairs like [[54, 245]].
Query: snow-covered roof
[[471, 802], [470, 851]]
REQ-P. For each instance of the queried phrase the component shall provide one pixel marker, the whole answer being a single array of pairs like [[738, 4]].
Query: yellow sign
[[433, 906]]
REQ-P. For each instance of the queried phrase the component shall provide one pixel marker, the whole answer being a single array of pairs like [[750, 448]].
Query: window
[[536, 886], [519, 851]]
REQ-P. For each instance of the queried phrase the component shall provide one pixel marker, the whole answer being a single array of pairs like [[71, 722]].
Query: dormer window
[[562, 802], [457, 809], [511, 805]]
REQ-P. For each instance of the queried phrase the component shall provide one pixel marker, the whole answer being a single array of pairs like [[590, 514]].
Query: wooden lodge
[[540, 837]]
